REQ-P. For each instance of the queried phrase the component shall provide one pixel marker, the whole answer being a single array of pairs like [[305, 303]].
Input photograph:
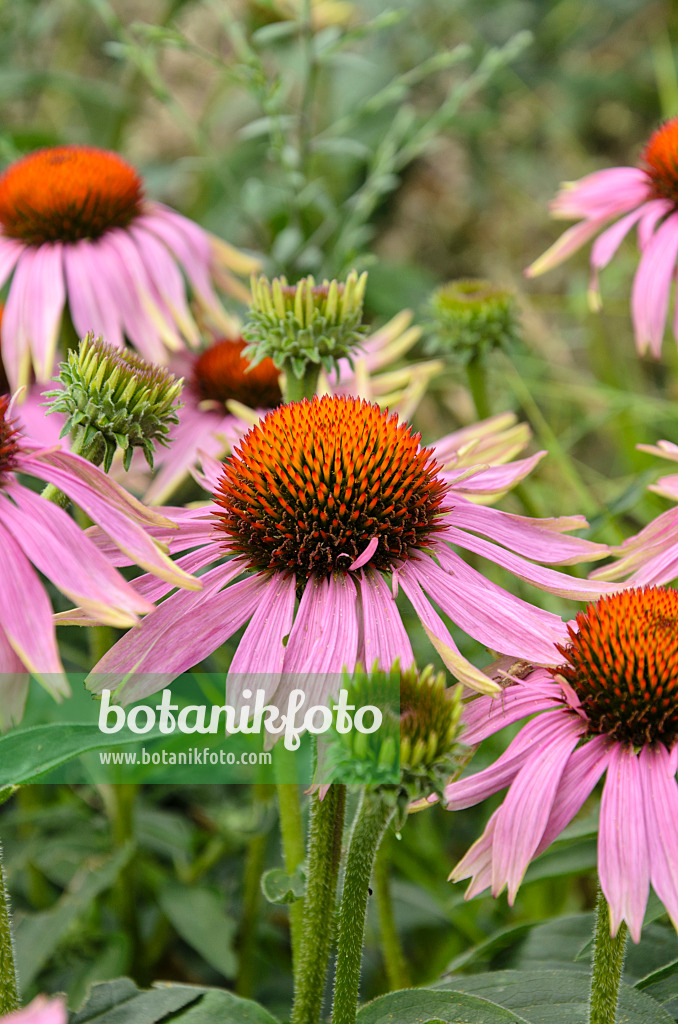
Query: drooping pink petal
[[26, 614], [653, 212], [16, 354], [606, 193], [477, 861], [585, 766], [606, 245], [167, 279], [107, 504], [486, 715], [623, 856], [384, 635], [486, 612], [651, 286], [10, 251], [540, 540], [535, 735], [492, 481], [539, 576], [661, 822], [183, 630], [88, 305], [189, 244], [324, 637], [199, 430], [14, 680], [45, 303], [259, 659], [570, 241], [58, 548], [526, 808]]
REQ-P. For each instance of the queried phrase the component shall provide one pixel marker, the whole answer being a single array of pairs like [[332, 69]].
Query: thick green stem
[[324, 856], [608, 962], [396, 967], [9, 986], [477, 382], [292, 833], [370, 824], [296, 389]]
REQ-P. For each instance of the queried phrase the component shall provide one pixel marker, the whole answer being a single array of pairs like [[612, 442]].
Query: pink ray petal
[[583, 770], [478, 858], [166, 278], [623, 857], [26, 614], [57, 547], [533, 736], [190, 246], [605, 193], [384, 635], [40, 1011], [606, 245], [569, 242], [197, 430], [88, 302], [661, 817], [653, 212], [180, 633], [494, 480], [486, 715], [526, 808], [14, 680], [651, 286], [45, 304], [261, 652], [15, 339]]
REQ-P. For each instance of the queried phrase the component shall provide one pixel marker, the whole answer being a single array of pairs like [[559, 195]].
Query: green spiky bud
[[304, 323], [416, 749], [114, 399], [472, 316]]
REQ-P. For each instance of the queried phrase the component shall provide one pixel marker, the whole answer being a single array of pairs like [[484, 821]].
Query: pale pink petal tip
[[40, 1011]]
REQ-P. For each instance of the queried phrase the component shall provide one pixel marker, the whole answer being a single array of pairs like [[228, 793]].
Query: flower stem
[[293, 849], [396, 966], [296, 389], [254, 866], [608, 961], [9, 987], [370, 823], [477, 382], [324, 855]]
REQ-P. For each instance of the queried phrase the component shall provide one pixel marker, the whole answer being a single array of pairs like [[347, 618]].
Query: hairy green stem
[[608, 962], [369, 826], [394, 960], [292, 833], [324, 856], [297, 388], [9, 985]]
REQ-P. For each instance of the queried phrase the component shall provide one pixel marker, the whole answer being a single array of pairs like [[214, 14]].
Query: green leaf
[[25, 754], [198, 916], [38, 935], [121, 1002], [225, 1008], [554, 997], [279, 887], [427, 1006], [6, 792]]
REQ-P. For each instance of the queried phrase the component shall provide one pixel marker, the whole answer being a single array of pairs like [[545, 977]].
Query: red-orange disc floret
[[221, 373], [68, 193], [314, 482], [9, 436], [622, 663], [660, 157]]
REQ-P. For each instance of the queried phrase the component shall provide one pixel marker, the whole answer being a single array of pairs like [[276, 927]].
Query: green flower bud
[[114, 399], [415, 750], [472, 317], [304, 323]]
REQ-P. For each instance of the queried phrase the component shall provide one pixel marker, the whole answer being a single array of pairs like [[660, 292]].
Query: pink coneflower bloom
[[335, 505], [76, 229], [646, 196], [40, 1011], [606, 705], [224, 396], [36, 534], [651, 555]]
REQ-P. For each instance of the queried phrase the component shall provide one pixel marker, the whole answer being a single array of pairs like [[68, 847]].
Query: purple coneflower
[[36, 534], [335, 505], [607, 705], [646, 196], [75, 229]]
